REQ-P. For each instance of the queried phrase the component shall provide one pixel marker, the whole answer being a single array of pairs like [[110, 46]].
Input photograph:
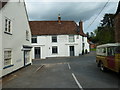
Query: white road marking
[[39, 68], [13, 76], [77, 81], [69, 66]]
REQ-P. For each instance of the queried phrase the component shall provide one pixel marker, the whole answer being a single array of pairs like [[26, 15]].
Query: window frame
[[54, 47], [54, 39], [71, 38], [110, 51], [27, 35], [7, 58], [8, 26], [34, 37]]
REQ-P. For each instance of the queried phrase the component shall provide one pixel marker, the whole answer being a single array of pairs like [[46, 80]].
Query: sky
[[71, 10]]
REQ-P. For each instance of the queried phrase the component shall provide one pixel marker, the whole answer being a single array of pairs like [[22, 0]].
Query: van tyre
[[102, 67]]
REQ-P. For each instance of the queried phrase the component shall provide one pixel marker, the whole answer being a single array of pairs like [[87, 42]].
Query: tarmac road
[[71, 72]]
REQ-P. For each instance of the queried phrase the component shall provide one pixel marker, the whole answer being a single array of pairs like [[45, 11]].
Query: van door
[[111, 58]]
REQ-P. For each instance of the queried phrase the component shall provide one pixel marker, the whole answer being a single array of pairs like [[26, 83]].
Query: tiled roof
[[54, 28], [118, 9], [2, 4]]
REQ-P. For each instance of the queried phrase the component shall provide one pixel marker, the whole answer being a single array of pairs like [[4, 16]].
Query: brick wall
[[117, 28]]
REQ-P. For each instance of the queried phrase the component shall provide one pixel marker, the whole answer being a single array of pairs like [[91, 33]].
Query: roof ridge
[[53, 21]]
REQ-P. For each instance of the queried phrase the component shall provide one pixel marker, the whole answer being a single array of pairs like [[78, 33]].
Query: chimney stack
[[59, 19], [81, 29], [81, 25]]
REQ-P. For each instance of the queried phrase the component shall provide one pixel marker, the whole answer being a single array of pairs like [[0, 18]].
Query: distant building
[[15, 37], [92, 45], [117, 24], [57, 39]]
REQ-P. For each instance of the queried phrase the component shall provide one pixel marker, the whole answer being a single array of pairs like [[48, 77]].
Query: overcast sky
[[75, 11]]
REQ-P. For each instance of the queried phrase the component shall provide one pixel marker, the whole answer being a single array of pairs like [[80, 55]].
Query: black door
[[71, 50], [37, 53]]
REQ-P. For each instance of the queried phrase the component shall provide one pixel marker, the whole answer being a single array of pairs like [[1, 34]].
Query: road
[[71, 72]]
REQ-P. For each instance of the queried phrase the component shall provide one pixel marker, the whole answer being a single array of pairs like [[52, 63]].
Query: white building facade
[[57, 39], [65, 46], [15, 37]]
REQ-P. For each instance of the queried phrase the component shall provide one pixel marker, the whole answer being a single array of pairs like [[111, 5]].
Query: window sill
[[34, 43], [8, 66], [54, 42], [54, 53], [8, 33]]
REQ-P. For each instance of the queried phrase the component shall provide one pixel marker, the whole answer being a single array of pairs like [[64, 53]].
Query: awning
[[26, 47]]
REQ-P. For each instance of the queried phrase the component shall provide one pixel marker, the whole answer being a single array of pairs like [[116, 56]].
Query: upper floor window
[[82, 38], [71, 38], [7, 57], [77, 36], [34, 39], [8, 25], [54, 38], [27, 35]]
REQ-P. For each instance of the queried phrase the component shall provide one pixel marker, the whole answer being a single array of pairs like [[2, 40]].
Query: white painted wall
[[63, 44], [87, 46], [15, 11], [0, 44]]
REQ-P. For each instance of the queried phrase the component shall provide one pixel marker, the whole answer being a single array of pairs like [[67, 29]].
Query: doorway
[[37, 52], [72, 51], [26, 57]]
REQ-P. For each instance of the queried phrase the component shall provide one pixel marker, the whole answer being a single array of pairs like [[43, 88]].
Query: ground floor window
[[7, 57], [54, 50], [27, 57]]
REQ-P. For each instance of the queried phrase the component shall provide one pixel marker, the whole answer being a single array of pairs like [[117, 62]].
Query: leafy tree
[[105, 32]]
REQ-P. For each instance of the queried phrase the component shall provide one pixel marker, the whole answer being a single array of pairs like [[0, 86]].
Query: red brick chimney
[[59, 19], [81, 28]]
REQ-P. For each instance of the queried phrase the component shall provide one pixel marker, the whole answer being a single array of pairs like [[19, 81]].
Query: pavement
[[65, 72]]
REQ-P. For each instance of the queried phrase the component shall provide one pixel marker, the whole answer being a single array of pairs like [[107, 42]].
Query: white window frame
[[56, 48], [8, 26], [27, 35], [34, 37], [55, 37], [7, 57], [71, 38]]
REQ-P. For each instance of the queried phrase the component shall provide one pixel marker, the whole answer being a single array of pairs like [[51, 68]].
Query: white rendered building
[[15, 37], [57, 39]]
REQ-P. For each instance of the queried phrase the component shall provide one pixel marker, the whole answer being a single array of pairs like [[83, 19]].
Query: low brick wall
[[117, 28]]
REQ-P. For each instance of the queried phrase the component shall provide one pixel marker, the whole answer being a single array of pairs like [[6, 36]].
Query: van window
[[111, 51], [117, 49], [104, 50]]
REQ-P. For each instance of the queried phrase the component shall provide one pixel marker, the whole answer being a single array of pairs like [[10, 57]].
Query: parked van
[[108, 57]]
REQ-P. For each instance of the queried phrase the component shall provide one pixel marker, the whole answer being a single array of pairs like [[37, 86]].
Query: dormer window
[[8, 25]]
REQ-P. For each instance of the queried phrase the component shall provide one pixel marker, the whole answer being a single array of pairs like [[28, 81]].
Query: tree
[[108, 20], [105, 32]]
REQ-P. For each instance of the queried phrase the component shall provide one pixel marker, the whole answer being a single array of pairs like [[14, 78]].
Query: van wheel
[[102, 68]]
